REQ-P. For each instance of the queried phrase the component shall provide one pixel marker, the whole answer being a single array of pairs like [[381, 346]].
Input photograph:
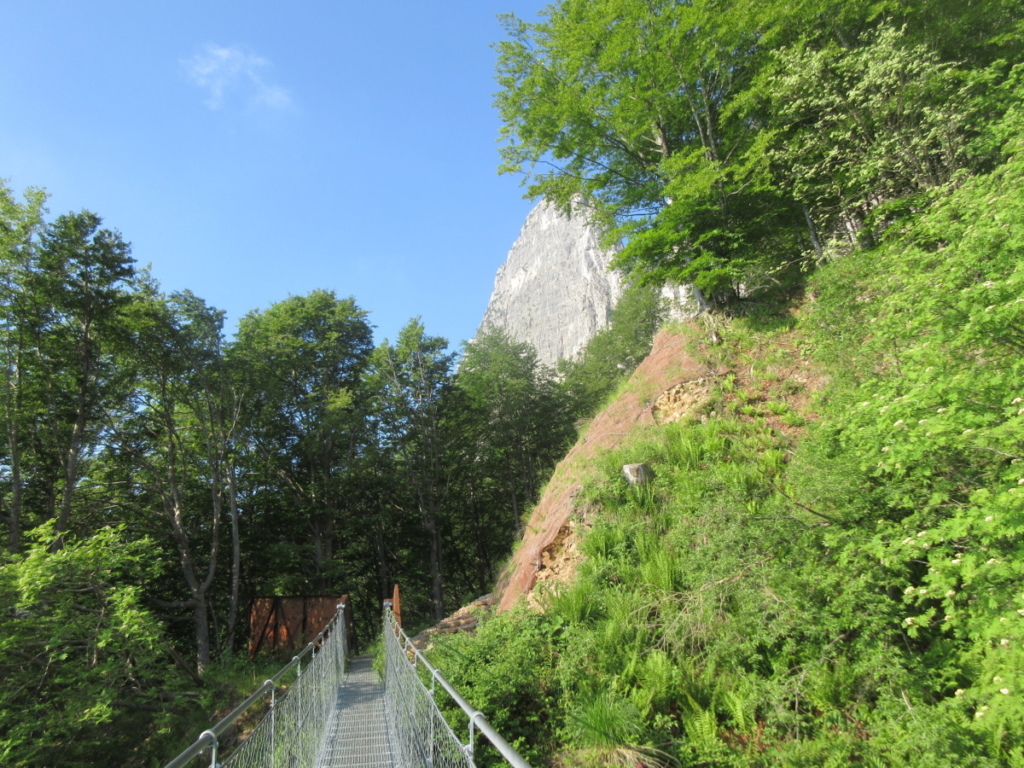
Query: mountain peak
[[555, 290]]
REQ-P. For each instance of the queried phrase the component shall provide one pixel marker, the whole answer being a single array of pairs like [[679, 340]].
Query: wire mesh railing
[[290, 732], [420, 733]]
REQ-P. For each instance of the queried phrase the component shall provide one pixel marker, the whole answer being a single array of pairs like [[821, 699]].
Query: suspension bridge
[[339, 713]]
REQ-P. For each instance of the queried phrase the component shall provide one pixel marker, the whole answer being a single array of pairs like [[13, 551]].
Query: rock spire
[[554, 290]]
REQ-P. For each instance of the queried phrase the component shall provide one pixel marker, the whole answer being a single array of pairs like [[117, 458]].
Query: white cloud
[[221, 71]]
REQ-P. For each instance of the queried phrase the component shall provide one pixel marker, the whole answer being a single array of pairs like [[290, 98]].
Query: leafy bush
[[507, 671], [930, 433], [82, 659]]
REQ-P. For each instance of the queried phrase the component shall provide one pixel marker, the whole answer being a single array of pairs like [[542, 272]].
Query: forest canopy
[[158, 475], [724, 142]]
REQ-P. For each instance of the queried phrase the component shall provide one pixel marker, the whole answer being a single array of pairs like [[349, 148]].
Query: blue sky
[[254, 150]]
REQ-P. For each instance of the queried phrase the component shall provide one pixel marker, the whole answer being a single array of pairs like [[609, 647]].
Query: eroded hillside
[[680, 378], [549, 543]]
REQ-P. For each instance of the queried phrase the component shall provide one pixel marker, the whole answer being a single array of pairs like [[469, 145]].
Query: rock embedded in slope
[[639, 475]]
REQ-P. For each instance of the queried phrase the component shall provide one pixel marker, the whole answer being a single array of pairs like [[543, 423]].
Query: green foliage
[[507, 671], [620, 104], [854, 598], [409, 382], [867, 129], [519, 420], [722, 142], [299, 366], [300, 354], [82, 659], [932, 433], [614, 351]]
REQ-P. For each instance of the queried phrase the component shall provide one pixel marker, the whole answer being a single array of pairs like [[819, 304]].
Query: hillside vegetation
[[826, 580]]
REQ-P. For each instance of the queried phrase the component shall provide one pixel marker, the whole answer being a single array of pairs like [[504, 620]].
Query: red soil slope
[[548, 546]]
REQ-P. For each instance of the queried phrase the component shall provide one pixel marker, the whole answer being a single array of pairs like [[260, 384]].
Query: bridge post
[[296, 692], [345, 609], [342, 651], [213, 747], [396, 606], [273, 721], [434, 714]]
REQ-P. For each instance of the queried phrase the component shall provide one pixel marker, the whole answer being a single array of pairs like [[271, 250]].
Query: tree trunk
[[202, 624], [813, 232], [70, 479], [77, 438], [484, 567], [383, 572], [173, 505], [14, 521], [236, 556], [437, 589]]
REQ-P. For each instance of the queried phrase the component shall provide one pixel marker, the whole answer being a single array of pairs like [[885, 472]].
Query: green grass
[[847, 592]]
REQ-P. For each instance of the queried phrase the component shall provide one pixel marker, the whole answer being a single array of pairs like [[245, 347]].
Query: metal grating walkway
[[356, 735]]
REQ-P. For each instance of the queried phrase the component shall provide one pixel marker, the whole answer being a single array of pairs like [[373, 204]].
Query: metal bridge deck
[[356, 735]]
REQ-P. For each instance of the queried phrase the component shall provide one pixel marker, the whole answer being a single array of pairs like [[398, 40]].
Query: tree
[[175, 452], [83, 662], [299, 366], [83, 280], [705, 134], [519, 420], [626, 104], [19, 227], [614, 351], [974, 34], [865, 131], [409, 381]]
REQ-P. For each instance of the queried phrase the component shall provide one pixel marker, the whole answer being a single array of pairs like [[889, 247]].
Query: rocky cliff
[[554, 289]]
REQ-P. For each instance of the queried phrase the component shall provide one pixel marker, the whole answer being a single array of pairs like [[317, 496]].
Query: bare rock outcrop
[[554, 290]]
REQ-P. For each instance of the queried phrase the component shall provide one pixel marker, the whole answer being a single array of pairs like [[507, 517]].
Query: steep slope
[[554, 290], [666, 384]]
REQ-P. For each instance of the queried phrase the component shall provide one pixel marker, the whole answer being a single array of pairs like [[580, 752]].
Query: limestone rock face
[[554, 289], [680, 302]]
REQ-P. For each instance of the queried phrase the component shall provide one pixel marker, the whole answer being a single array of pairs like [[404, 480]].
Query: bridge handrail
[[477, 719], [210, 737]]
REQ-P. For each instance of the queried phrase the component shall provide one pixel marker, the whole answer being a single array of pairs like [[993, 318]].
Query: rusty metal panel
[[287, 623]]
